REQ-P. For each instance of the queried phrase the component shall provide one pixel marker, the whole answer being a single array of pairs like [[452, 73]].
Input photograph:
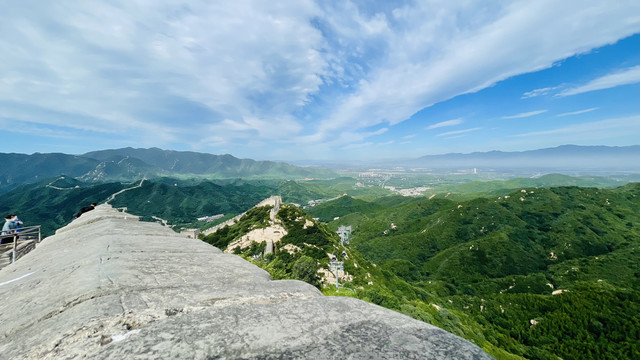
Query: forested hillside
[[53, 202], [539, 273]]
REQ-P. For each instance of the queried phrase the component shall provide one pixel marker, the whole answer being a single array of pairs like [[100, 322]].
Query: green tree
[[306, 269]]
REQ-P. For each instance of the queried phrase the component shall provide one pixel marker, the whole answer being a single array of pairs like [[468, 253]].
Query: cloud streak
[[619, 78], [445, 123], [577, 112], [459, 131], [525, 114], [538, 92]]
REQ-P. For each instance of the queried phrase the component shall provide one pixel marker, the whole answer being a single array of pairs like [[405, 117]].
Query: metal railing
[[26, 233]]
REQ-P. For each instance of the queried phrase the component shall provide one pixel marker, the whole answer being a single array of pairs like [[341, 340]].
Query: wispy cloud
[[459, 131], [446, 123], [432, 61], [602, 128], [525, 114], [307, 75], [222, 67], [409, 136], [578, 112], [623, 77], [538, 92]]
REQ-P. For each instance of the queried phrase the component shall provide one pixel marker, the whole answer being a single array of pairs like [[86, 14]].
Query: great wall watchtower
[[107, 286]]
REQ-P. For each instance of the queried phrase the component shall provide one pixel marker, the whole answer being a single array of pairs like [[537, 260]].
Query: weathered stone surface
[[106, 287]]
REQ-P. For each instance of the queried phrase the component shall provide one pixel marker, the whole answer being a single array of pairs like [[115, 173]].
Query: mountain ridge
[[566, 157], [129, 164]]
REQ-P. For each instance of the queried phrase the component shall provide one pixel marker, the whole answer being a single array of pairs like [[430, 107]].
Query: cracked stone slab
[[108, 286]]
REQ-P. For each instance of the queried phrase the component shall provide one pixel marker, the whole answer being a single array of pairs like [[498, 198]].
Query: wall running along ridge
[[107, 286]]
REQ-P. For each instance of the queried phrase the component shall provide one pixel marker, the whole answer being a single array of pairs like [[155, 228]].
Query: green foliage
[[306, 269], [318, 236], [342, 206], [182, 204], [492, 263], [404, 269], [480, 267]]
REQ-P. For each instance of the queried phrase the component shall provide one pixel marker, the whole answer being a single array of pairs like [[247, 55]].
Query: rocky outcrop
[[110, 287]]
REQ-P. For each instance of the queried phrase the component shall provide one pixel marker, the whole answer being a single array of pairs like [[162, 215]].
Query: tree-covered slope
[[182, 204], [52, 203], [19, 169], [539, 273]]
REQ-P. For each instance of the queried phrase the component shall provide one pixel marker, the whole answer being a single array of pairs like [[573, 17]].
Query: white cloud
[[538, 92], [459, 131], [439, 50], [623, 77], [158, 67], [306, 73], [445, 123], [525, 114], [578, 112]]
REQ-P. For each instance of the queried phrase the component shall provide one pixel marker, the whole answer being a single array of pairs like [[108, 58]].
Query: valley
[[535, 267]]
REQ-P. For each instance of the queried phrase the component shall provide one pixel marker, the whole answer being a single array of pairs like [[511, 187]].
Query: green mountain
[[182, 204], [130, 164], [303, 249], [18, 169], [342, 206], [486, 268], [497, 262], [301, 246], [52, 203], [218, 166]]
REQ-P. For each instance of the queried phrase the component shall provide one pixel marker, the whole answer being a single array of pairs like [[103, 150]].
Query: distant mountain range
[[559, 159], [130, 164]]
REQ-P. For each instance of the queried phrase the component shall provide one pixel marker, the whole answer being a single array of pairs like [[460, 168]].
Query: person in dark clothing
[[85, 209]]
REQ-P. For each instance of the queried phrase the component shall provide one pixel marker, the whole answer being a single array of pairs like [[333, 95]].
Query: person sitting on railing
[[11, 226], [85, 209]]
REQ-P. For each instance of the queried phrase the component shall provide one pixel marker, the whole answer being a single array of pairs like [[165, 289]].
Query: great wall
[[108, 286]]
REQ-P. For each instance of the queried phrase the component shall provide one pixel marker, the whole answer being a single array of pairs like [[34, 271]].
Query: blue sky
[[318, 80]]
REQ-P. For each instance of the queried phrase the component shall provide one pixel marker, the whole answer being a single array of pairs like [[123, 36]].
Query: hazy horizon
[[318, 81]]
